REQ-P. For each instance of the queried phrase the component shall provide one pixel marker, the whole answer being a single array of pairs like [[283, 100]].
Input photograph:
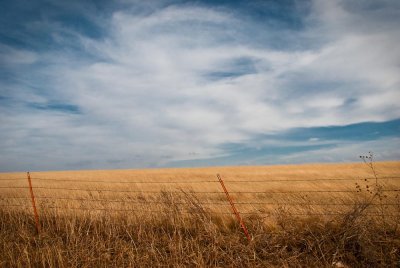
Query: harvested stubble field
[[320, 215]]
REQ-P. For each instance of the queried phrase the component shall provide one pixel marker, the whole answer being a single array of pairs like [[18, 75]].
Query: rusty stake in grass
[[33, 204], [235, 211]]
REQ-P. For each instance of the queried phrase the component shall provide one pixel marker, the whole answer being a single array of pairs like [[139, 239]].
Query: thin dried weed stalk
[[175, 238]]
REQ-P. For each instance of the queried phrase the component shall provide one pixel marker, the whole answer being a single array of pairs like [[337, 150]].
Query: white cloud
[[11, 56], [151, 94], [347, 152]]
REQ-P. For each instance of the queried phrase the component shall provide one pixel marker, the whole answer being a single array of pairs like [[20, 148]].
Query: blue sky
[[143, 84]]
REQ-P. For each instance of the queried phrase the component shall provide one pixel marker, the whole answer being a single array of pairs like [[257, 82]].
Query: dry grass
[[295, 218]]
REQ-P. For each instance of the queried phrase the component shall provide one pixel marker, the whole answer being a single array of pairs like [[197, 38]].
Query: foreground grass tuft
[[197, 240]]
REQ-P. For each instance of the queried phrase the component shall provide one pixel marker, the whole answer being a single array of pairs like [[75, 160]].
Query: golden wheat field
[[318, 215]]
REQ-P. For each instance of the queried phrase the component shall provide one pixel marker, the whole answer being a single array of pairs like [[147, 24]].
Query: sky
[[148, 84]]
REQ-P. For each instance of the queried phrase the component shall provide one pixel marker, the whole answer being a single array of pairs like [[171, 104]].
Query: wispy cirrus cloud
[[160, 84]]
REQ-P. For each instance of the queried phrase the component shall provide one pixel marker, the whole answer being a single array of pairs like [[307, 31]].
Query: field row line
[[205, 181], [107, 209], [200, 203], [199, 192]]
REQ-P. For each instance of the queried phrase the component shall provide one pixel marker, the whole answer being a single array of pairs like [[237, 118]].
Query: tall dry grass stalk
[[185, 229], [202, 239]]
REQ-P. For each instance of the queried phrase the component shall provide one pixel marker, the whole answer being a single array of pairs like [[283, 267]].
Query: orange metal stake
[[33, 204], [234, 208]]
